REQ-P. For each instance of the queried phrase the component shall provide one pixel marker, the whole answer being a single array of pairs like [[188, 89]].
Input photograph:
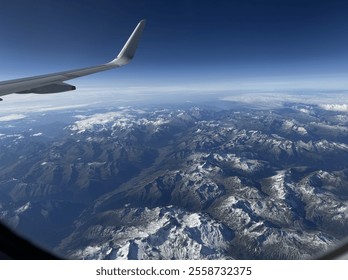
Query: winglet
[[129, 48]]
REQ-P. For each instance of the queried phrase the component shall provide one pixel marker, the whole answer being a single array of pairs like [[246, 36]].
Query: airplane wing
[[53, 83]]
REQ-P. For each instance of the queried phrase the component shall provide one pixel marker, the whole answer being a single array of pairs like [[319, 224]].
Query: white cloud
[[327, 100], [58, 108], [12, 117]]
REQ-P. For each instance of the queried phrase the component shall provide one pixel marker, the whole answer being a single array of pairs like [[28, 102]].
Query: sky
[[193, 45]]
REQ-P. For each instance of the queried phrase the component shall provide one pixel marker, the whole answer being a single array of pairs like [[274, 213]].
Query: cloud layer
[[12, 117]]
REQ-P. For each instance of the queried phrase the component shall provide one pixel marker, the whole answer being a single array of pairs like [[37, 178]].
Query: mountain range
[[179, 181]]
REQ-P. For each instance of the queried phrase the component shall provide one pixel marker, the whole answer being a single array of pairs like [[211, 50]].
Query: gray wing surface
[[52, 83]]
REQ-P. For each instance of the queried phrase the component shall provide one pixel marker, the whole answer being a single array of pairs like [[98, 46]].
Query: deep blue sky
[[195, 42]]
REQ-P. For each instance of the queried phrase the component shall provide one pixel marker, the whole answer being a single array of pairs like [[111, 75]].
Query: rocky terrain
[[178, 182]]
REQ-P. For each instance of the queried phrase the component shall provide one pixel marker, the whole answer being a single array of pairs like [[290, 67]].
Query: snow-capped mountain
[[153, 234], [184, 182]]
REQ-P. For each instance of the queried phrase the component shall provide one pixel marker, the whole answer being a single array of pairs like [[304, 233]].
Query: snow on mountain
[[330, 127], [102, 122], [335, 107], [23, 208], [124, 119], [303, 108], [158, 233], [267, 223], [342, 119], [277, 188], [322, 146], [37, 134], [290, 125], [182, 183], [239, 163]]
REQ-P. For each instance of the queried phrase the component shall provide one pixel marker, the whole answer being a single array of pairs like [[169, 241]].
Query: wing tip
[[128, 51]]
